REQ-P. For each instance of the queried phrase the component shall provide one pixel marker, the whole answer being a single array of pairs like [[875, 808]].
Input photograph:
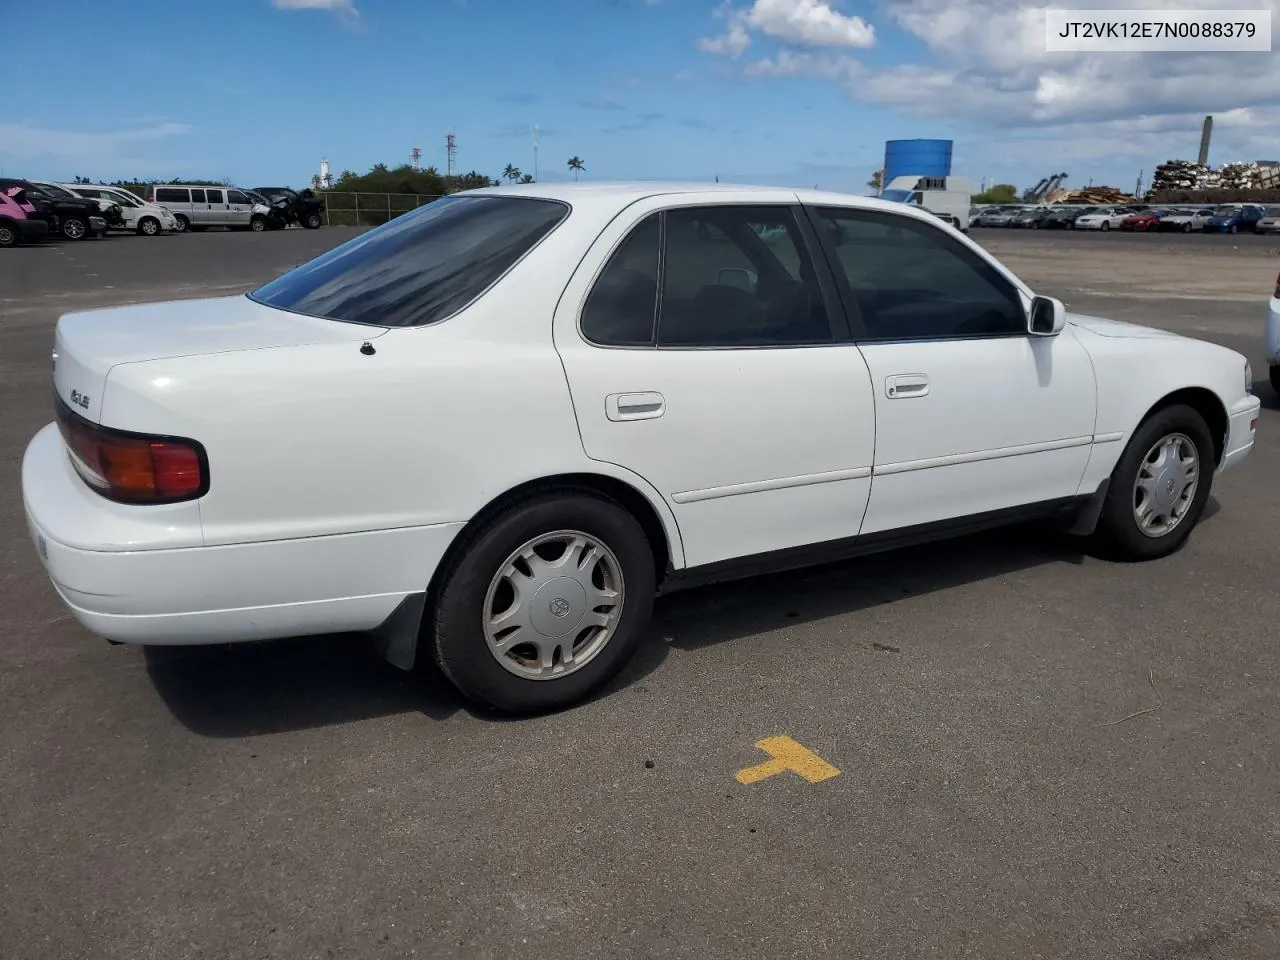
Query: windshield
[[122, 196], [52, 191], [898, 196], [419, 268]]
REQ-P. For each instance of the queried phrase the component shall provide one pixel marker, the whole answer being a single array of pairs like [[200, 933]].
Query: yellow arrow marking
[[787, 755]]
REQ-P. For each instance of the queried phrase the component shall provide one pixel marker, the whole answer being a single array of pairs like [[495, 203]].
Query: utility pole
[[535, 151]]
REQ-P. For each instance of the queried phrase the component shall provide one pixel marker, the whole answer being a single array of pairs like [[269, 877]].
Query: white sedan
[[1108, 218], [494, 427]]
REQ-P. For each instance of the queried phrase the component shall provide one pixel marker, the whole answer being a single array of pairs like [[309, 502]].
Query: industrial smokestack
[[1204, 141]]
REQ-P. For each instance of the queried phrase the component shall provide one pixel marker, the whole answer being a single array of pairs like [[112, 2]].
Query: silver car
[[1270, 222]]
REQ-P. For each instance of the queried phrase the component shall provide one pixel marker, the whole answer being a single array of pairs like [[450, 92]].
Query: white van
[[947, 197], [197, 206], [145, 218]]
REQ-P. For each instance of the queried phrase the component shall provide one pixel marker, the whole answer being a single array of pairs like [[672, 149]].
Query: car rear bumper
[[1241, 425], [1272, 333], [136, 590]]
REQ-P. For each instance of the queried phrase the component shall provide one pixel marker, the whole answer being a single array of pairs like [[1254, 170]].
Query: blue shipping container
[[916, 158]]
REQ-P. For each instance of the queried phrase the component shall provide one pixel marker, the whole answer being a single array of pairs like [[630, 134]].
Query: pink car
[[18, 220]]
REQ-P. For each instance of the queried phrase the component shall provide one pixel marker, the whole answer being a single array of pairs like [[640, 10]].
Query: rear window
[[418, 268], [171, 195]]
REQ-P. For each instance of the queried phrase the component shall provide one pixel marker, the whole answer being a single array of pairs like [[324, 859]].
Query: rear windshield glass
[[419, 268]]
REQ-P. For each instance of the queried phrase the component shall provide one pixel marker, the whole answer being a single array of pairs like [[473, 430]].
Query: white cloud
[[345, 7], [985, 70], [811, 23], [28, 142]]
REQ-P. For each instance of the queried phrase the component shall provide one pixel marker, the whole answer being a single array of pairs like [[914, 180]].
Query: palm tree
[[526, 178], [575, 164], [511, 173]]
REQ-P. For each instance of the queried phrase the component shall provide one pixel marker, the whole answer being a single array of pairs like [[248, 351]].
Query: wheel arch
[[1206, 403]]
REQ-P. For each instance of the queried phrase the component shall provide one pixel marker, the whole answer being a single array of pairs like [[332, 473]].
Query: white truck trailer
[[947, 197]]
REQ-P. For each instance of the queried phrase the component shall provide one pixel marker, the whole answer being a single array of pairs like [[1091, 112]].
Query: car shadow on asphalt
[[243, 690]]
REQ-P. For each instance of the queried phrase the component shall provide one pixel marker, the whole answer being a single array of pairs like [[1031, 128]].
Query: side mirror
[[1047, 317], [738, 277]]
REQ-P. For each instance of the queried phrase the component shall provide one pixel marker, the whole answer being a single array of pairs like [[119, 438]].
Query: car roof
[[618, 194]]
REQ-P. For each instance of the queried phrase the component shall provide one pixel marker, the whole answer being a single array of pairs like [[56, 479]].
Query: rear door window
[[214, 196], [420, 268], [197, 196], [172, 195]]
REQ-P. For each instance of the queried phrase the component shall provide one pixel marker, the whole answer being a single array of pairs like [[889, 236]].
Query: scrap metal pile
[[1183, 176], [1094, 197]]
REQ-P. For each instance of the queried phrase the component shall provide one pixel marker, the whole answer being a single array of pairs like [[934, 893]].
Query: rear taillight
[[133, 467]]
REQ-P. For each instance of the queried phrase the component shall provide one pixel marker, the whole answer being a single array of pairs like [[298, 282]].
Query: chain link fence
[[369, 209]]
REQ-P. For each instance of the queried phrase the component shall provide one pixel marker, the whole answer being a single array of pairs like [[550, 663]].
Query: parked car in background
[[18, 220], [528, 572], [109, 210], [1058, 218], [74, 217], [304, 206], [1234, 219], [997, 216], [1030, 219], [1143, 220], [1270, 222], [141, 217], [1186, 221], [1104, 218], [199, 206]]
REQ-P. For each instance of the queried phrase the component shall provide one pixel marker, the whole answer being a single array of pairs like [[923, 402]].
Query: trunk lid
[[88, 344]]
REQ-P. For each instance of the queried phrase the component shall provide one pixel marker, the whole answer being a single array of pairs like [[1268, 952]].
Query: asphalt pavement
[[1038, 753]]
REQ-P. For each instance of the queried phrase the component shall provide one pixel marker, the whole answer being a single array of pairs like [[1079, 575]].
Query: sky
[[790, 92]]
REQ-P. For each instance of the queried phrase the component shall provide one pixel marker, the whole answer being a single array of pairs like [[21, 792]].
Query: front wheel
[[73, 228], [1160, 486], [1106, 225], [311, 221], [1235, 228], [257, 224], [183, 224], [546, 603], [148, 226]]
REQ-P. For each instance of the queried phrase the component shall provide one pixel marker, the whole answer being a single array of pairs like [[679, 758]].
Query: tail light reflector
[[133, 467]]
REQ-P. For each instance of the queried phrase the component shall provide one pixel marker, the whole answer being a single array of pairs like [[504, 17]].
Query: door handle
[[634, 406], [906, 385]]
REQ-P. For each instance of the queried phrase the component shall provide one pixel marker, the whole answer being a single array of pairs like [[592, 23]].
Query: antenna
[[415, 158], [451, 153]]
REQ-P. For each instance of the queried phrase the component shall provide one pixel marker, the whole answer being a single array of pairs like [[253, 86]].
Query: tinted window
[[91, 194], [235, 196], [58, 192], [213, 196], [197, 196], [912, 281], [738, 276], [420, 267], [621, 309], [171, 195]]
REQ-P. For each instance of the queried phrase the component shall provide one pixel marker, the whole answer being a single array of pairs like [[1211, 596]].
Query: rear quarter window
[[171, 195], [419, 268]]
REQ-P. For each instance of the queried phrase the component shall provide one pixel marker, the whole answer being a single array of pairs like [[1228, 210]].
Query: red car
[[1143, 220]]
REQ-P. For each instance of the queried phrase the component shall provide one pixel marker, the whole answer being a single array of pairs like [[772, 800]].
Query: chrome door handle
[[906, 385], [634, 406]]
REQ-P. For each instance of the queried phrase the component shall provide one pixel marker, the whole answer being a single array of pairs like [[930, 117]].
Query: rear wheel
[[1160, 486], [1106, 225], [547, 602], [74, 228], [9, 237], [1186, 228], [311, 221], [148, 226]]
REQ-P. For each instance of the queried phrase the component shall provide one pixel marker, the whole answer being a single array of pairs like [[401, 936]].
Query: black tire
[[258, 224], [1118, 531], [75, 228], [1235, 228], [148, 227], [1106, 225], [183, 223], [10, 236], [312, 221], [1275, 379], [1186, 228], [455, 630]]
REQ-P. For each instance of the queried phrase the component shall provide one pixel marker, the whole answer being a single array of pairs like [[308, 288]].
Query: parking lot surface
[[1039, 753]]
